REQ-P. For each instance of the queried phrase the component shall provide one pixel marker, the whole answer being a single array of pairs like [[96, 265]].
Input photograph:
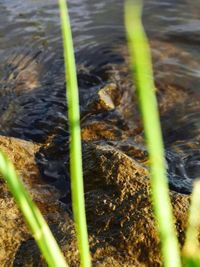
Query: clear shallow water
[[31, 30]]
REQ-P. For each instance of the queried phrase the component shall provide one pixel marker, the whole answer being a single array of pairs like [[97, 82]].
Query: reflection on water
[[30, 29]]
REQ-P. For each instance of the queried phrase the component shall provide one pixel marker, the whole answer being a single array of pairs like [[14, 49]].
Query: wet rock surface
[[121, 226]]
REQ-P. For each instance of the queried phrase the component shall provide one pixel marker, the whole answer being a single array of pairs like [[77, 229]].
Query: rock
[[121, 225], [107, 98], [101, 130], [122, 217], [12, 228]]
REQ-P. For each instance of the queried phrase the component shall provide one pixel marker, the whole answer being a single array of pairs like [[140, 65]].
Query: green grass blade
[[34, 218], [191, 250], [141, 61], [75, 138]]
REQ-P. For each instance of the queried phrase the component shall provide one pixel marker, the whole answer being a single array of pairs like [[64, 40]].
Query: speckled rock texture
[[13, 230], [122, 229]]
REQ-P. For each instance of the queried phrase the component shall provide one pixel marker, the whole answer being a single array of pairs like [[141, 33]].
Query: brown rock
[[12, 228], [122, 217]]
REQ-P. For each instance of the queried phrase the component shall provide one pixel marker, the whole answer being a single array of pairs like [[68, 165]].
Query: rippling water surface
[[30, 40]]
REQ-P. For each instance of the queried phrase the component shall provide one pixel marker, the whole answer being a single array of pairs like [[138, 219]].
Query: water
[[30, 44]]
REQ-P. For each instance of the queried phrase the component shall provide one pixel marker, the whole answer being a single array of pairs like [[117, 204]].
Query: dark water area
[[33, 106]]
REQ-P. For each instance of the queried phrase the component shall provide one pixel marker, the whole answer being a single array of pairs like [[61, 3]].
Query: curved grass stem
[[191, 249], [34, 218]]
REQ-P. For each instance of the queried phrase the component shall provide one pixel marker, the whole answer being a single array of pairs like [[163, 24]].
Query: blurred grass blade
[[34, 218], [191, 250], [75, 138], [191, 242], [141, 61]]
